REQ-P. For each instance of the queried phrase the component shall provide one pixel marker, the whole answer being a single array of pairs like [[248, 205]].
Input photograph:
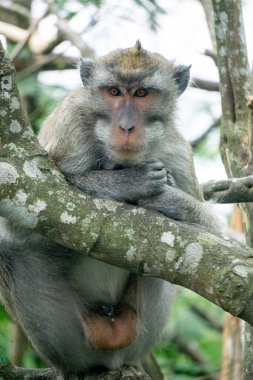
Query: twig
[[150, 366], [207, 6], [207, 318], [211, 54], [69, 33], [215, 124], [189, 349], [12, 32], [19, 345], [30, 32], [10, 6], [205, 84], [38, 65]]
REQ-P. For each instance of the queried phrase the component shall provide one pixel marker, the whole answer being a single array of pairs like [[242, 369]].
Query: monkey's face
[[134, 94], [129, 123]]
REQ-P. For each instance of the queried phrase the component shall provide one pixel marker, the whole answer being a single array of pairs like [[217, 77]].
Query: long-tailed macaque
[[113, 138]]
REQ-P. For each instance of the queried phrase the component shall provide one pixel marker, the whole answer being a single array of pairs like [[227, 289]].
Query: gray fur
[[48, 288]]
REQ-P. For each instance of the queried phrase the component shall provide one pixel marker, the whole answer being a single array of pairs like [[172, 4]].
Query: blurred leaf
[[40, 99], [70, 15], [61, 3], [153, 9], [195, 333]]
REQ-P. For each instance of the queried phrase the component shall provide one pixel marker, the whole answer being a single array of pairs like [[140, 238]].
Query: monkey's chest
[[98, 282]]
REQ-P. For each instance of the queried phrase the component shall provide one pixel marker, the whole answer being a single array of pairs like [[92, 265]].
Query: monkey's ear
[[86, 67], [181, 75]]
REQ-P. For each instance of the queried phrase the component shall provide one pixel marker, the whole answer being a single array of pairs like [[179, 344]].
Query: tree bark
[[10, 372], [237, 104], [232, 190]]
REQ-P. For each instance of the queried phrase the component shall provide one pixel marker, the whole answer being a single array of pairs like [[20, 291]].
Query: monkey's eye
[[114, 91], [141, 92]]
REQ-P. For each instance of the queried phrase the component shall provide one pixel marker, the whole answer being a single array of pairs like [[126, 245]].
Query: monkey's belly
[[111, 333]]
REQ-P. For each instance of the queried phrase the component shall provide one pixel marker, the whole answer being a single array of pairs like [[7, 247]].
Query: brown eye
[[114, 91], [141, 93]]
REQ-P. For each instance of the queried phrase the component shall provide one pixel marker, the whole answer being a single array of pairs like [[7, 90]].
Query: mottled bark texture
[[237, 107]]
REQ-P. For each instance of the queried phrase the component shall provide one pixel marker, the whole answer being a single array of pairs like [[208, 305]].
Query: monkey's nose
[[127, 128]]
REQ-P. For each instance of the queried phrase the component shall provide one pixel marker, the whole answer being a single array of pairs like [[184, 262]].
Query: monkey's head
[[135, 94]]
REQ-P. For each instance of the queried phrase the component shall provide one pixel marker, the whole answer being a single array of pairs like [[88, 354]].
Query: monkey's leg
[[176, 204], [153, 306], [35, 290]]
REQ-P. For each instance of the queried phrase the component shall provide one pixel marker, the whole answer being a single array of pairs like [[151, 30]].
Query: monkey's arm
[[176, 204], [128, 184]]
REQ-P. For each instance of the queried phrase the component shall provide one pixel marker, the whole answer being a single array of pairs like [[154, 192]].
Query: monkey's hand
[[170, 179], [128, 184], [178, 205]]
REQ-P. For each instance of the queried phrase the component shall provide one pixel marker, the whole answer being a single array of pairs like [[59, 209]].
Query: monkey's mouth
[[126, 151]]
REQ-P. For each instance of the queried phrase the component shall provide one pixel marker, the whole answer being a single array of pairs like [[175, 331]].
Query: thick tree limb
[[236, 87], [237, 110]]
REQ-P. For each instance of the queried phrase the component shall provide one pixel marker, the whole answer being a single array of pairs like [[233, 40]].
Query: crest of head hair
[[138, 46]]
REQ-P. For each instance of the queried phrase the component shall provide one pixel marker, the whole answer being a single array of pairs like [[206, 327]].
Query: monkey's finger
[[155, 165], [159, 174]]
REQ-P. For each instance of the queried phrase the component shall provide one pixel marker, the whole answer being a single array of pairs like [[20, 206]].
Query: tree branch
[[12, 32], [198, 140], [211, 54], [208, 9], [9, 371], [69, 34], [205, 84], [46, 62], [33, 27], [11, 7], [232, 190], [236, 129], [12, 372], [236, 87]]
